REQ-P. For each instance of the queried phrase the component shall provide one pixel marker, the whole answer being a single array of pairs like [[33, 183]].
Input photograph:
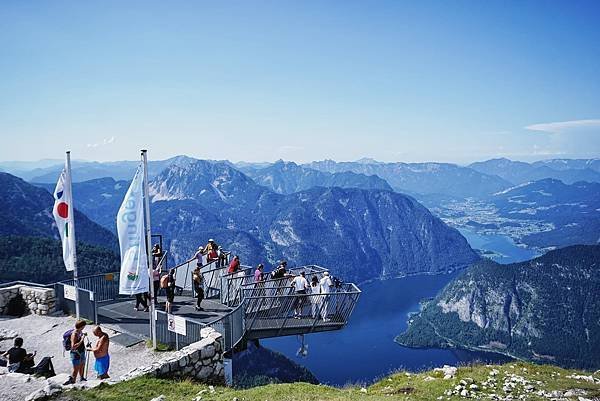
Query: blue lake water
[[365, 350], [504, 247]]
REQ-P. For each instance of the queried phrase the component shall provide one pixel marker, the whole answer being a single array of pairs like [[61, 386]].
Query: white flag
[[63, 202], [134, 277]]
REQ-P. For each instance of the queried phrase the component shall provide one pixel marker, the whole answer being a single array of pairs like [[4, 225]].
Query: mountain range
[[422, 178], [362, 234], [544, 310], [26, 210], [567, 170], [288, 177]]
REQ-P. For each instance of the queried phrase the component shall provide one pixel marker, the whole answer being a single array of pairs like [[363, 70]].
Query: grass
[[160, 347], [399, 386]]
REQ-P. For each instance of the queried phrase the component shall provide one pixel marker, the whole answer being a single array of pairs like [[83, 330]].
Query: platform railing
[[173, 340], [211, 273], [288, 310], [105, 286], [231, 284]]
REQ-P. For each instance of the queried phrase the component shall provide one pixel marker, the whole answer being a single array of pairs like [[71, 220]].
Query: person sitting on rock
[[18, 360]]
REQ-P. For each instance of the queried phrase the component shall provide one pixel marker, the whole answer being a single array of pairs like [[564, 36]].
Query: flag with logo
[[63, 202], [134, 277]]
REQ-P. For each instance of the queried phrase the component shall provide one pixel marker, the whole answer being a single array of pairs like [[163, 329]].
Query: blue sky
[[251, 80]]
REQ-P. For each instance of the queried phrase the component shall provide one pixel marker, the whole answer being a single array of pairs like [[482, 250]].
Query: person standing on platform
[[301, 287], [198, 287], [170, 290], [325, 285], [234, 266]]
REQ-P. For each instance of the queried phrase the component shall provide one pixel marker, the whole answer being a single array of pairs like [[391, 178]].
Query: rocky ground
[[44, 335]]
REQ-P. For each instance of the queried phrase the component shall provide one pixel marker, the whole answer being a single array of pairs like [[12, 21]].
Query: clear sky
[[305, 80]]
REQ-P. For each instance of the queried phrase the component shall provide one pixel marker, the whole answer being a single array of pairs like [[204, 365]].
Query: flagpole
[[149, 249], [71, 233]]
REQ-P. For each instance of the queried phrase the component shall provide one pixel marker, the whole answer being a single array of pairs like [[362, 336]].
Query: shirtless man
[[101, 353]]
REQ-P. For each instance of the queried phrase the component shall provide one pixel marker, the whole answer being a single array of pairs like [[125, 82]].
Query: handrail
[[162, 259], [20, 282], [355, 290]]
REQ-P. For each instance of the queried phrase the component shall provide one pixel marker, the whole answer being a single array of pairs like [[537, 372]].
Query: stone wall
[[202, 361], [38, 300]]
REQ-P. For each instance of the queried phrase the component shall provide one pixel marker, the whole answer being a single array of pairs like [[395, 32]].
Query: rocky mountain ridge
[[544, 310]]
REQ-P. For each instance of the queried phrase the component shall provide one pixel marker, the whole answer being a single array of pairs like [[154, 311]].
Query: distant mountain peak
[[368, 160]]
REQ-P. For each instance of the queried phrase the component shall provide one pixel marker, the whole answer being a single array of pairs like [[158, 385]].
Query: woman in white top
[[325, 288]]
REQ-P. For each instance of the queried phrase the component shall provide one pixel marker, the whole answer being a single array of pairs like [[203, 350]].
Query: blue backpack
[[67, 339]]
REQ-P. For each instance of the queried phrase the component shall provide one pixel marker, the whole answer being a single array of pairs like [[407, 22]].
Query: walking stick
[[87, 359]]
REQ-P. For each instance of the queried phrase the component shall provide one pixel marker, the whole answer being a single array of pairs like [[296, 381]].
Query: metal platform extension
[[237, 307]]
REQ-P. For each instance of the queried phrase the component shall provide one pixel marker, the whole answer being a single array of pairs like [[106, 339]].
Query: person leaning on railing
[[198, 256], [222, 257]]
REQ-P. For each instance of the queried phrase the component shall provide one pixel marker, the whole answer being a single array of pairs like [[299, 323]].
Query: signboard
[[69, 292], [176, 324]]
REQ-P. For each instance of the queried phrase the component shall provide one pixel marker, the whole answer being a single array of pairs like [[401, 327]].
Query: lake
[[365, 350], [503, 247]]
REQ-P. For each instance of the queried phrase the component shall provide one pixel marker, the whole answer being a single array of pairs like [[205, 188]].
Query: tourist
[[156, 255], [280, 270], [259, 278], [198, 256], [170, 290], [101, 353], [325, 285], [300, 286], [222, 257], [77, 352], [234, 266], [210, 246], [258, 273], [278, 274], [17, 358], [198, 290], [315, 299], [211, 250], [141, 299], [156, 270]]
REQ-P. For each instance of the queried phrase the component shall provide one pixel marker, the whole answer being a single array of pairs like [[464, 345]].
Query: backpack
[[164, 281], [45, 368], [67, 340]]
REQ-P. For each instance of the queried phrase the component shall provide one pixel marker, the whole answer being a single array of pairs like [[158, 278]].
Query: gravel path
[[44, 335]]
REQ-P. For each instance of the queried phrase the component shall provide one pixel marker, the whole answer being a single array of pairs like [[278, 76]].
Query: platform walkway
[[236, 306]]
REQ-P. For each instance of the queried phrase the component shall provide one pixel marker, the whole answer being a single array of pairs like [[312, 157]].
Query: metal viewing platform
[[236, 306]]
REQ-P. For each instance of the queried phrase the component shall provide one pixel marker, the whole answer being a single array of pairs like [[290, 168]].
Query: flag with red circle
[[62, 207]]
